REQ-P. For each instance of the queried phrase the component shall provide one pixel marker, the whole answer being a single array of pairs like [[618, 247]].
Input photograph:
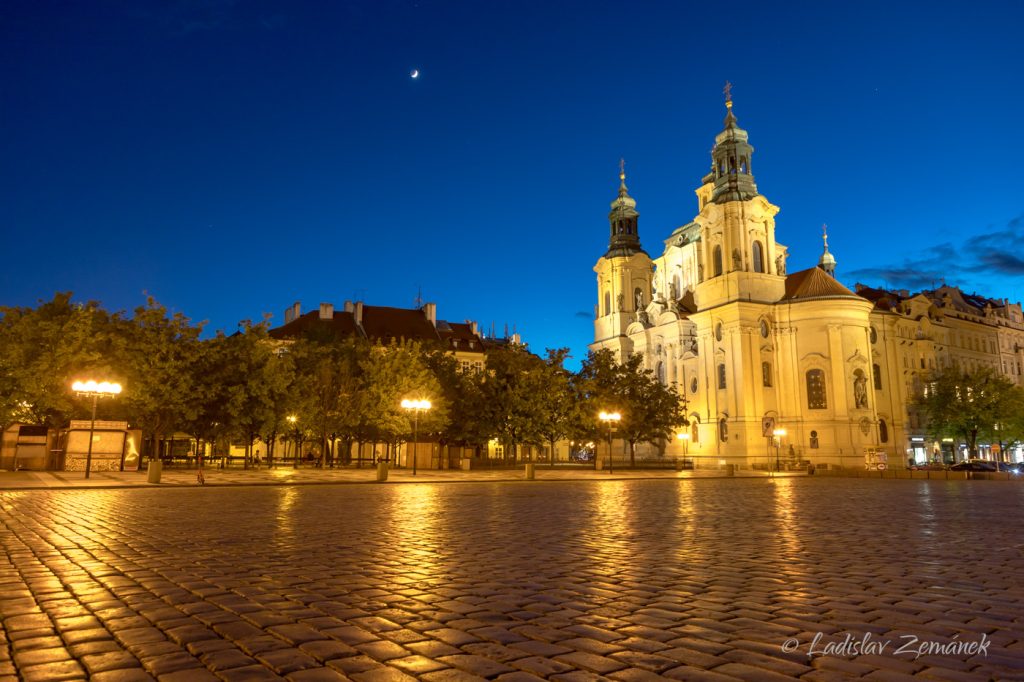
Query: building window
[[723, 430], [876, 373], [816, 390], [814, 440], [717, 260], [883, 431], [607, 303], [758, 256], [693, 385], [694, 431], [721, 375], [766, 374], [718, 332], [874, 335], [661, 372]]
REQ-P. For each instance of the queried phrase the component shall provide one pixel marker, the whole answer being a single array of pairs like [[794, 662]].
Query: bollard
[[382, 472], [154, 471], [730, 469], [529, 471]]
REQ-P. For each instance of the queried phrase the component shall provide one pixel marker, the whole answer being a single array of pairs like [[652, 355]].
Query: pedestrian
[[256, 459], [200, 479]]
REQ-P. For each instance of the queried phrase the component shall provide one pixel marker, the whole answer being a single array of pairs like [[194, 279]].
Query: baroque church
[[782, 368]]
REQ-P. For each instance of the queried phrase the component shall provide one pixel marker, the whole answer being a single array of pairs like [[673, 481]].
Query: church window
[[721, 168], [718, 331], [816, 390], [693, 385], [874, 335], [814, 440], [723, 430], [694, 429], [883, 431], [743, 164], [661, 372], [732, 165], [638, 298], [758, 257], [607, 303], [876, 372], [721, 375], [717, 259], [764, 329], [766, 374]]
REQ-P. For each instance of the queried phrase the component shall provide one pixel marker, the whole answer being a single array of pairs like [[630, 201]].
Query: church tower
[[623, 274], [740, 260], [827, 262]]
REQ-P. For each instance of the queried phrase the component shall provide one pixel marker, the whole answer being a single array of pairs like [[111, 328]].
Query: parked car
[[974, 465]]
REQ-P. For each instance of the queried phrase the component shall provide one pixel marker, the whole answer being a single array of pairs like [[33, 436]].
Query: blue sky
[[231, 157]]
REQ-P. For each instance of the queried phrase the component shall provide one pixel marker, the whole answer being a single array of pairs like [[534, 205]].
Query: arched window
[[816, 390], [876, 373], [732, 165], [766, 374], [721, 375], [758, 256], [661, 372], [883, 431], [723, 430], [607, 303], [694, 430], [814, 440], [743, 164], [638, 299], [717, 260]]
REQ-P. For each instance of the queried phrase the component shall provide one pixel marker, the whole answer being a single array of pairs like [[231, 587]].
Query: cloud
[[992, 253]]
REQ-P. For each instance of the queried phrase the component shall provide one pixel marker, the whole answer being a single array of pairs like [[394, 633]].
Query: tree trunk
[[632, 454], [551, 454]]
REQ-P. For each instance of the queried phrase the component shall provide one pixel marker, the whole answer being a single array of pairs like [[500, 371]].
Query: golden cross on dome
[[622, 169], [727, 91], [824, 234]]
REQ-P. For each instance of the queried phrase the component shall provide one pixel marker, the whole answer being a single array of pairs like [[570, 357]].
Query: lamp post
[[293, 420], [778, 434], [95, 390], [610, 418], [416, 406], [685, 437]]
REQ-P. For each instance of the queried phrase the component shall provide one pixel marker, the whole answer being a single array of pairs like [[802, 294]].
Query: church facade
[[782, 368]]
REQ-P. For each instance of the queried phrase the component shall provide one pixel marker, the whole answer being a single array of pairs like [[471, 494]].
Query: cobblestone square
[[712, 579]]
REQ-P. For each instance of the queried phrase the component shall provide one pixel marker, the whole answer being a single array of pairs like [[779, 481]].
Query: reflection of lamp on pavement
[[609, 418], [778, 434], [416, 406], [94, 390]]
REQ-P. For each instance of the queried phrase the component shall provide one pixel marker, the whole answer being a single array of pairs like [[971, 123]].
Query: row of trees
[[247, 388], [973, 407]]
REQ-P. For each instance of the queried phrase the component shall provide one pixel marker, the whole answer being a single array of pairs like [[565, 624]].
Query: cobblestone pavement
[[624, 580], [21, 480]]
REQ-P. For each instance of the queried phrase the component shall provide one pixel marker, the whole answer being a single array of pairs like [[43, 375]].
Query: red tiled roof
[[814, 283]]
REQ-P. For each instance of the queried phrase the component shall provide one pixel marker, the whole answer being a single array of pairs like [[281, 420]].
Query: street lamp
[[778, 433], [416, 406], [610, 418], [685, 437], [293, 420], [95, 390]]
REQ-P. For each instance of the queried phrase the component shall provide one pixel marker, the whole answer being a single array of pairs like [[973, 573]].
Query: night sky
[[232, 157]]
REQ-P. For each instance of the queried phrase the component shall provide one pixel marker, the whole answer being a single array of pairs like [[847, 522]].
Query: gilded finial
[[824, 234], [727, 91], [622, 169]]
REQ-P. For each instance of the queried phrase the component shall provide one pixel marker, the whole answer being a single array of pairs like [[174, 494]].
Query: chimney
[[348, 307], [292, 313], [473, 328], [430, 310], [357, 313], [326, 311]]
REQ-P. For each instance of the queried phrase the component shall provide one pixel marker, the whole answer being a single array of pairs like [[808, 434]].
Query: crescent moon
[[415, 73]]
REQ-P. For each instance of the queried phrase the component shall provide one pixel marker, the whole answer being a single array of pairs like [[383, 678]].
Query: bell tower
[[624, 273], [741, 259]]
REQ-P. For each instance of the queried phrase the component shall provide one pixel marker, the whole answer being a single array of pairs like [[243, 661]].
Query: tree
[[257, 379], [43, 350], [157, 354], [965, 405], [511, 391], [651, 412], [560, 402]]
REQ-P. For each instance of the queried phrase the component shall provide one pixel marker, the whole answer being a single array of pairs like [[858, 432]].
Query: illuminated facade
[[755, 350]]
